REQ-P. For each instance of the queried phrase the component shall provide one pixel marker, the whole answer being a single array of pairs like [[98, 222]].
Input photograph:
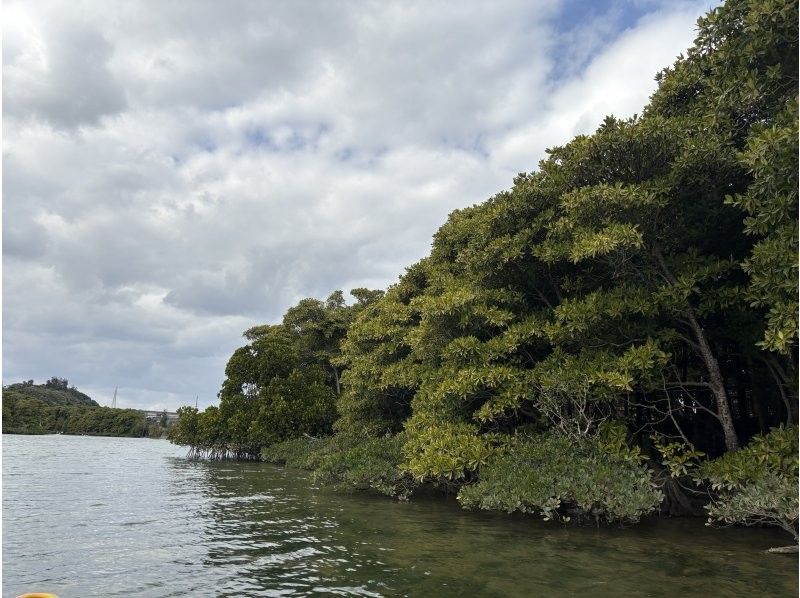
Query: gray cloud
[[177, 172], [60, 72]]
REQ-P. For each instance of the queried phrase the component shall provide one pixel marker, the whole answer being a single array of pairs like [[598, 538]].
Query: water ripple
[[119, 517]]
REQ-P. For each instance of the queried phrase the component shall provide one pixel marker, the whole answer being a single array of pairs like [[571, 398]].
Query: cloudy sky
[[176, 172]]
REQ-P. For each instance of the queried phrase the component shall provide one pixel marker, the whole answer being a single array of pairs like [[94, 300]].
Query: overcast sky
[[176, 172]]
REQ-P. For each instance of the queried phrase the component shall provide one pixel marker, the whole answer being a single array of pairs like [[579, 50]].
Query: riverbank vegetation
[[56, 408], [597, 342]]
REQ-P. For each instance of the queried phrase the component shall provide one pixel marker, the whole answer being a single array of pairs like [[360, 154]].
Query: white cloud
[[177, 172]]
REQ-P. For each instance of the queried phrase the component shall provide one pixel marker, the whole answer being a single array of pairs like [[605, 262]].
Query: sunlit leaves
[[771, 205]]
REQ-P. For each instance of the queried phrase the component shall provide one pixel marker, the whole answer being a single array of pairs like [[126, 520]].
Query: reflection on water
[[99, 516]]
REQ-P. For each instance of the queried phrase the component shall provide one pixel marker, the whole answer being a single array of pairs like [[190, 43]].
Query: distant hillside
[[55, 391]]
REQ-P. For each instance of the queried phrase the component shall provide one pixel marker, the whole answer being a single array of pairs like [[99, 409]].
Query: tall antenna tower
[[114, 400], [195, 401]]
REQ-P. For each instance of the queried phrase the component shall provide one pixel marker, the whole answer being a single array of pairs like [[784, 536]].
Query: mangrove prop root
[[783, 550], [221, 453]]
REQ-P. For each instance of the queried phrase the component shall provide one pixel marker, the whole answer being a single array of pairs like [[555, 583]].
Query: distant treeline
[[54, 407], [599, 341], [56, 391]]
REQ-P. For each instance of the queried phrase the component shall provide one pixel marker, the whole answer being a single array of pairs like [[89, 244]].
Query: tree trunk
[[709, 360], [715, 382], [780, 382], [336, 378]]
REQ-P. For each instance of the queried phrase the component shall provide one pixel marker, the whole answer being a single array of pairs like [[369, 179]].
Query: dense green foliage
[[758, 484], [56, 408], [369, 464], [304, 452], [348, 463], [55, 391], [283, 384], [22, 415], [640, 285], [550, 474]]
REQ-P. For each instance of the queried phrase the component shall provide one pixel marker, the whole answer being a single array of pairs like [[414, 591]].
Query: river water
[[85, 517]]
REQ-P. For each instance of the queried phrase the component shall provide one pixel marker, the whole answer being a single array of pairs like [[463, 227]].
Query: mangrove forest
[[613, 336]]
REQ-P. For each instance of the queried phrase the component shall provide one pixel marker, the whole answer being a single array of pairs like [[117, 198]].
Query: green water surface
[[89, 517]]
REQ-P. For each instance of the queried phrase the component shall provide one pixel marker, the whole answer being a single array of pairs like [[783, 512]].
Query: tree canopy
[[56, 391], [282, 384]]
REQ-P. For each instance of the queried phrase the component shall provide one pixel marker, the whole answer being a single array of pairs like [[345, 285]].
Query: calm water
[[131, 517]]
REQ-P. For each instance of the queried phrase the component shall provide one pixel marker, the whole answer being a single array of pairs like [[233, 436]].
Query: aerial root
[[197, 453], [783, 549]]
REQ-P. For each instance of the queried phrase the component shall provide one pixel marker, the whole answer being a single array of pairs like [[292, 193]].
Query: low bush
[[302, 453], [756, 485], [346, 463], [367, 464], [596, 477]]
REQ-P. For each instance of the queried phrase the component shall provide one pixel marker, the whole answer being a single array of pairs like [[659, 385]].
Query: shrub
[[555, 476], [756, 485], [369, 464], [302, 453]]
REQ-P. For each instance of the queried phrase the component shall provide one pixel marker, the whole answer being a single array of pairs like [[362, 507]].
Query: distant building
[[156, 416]]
